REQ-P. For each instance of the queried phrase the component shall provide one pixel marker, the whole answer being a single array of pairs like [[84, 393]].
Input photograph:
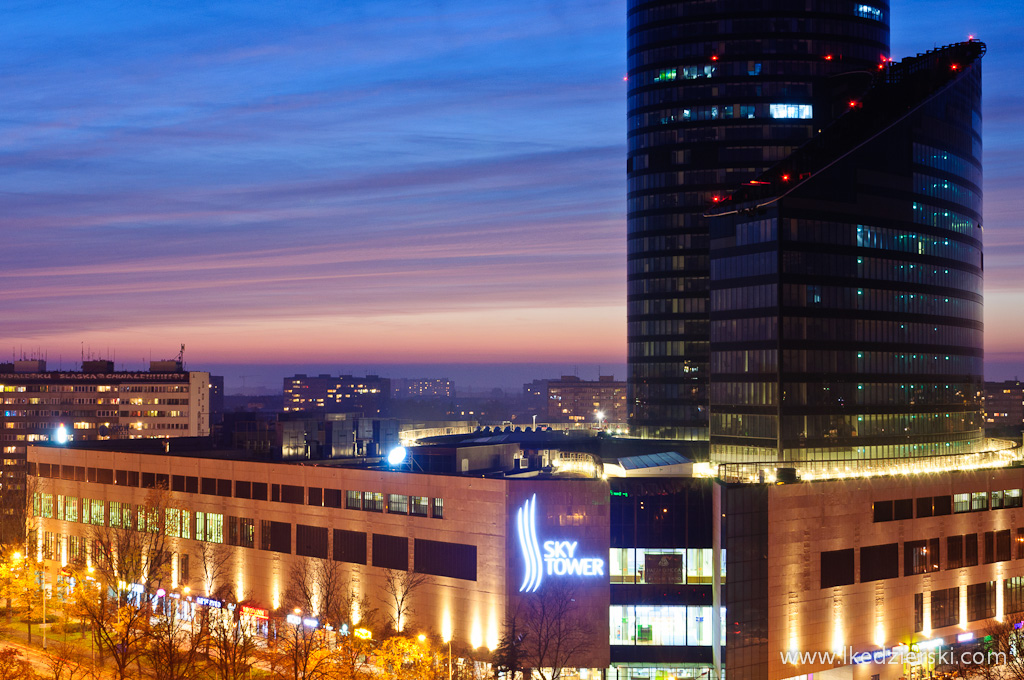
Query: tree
[[996, 656], [350, 658], [405, 658], [173, 645], [234, 643], [130, 563], [400, 588], [64, 662], [13, 667], [546, 632]]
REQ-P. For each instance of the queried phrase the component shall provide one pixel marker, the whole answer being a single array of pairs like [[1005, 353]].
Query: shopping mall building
[[890, 562]]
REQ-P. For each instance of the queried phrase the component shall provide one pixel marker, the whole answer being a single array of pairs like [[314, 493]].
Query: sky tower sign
[[557, 559]]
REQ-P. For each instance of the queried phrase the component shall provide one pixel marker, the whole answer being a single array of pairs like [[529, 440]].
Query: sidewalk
[[15, 635]]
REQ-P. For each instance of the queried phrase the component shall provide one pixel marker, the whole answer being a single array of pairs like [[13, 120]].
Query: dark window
[[882, 511], [68, 472], [924, 506], [836, 568], [1013, 595], [332, 498], [971, 550], [920, 557], [438, 508], [232, 531], [311, 541], [903, 509], [945, 607], [105, 476], [293, 494], [177, 482], [942, 505], [316, 496], [247, 532], [183, 567], [275, 492], [918, 612], [458, 560], [120, 477], [148, 480], [133, 477], [209, 486], [990, 547], [163, 481], [44, 470], [243, 489], [981, 601], [879, 561], [224, 488], [276, 536], [1003, 545], [350, 546], [954, 552], [391, 552], [259, 491], [191, 484]]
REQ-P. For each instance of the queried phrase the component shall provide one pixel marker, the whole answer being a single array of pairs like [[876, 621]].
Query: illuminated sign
[[558, 558], [362, 633], [255, 612], [208, 602], [293, 619]]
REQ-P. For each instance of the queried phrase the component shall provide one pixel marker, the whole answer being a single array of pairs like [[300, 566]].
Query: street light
[[600, 419]]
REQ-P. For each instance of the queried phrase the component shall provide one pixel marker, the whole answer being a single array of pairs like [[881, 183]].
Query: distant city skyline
[[367, 184]]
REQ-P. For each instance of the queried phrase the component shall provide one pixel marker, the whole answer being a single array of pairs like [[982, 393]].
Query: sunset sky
[[348, 182]]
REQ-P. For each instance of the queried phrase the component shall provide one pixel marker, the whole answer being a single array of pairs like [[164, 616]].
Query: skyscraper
[[846, 281], [718, 92]]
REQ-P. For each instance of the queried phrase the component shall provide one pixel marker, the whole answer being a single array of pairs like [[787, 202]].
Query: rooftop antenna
[[181, 355]]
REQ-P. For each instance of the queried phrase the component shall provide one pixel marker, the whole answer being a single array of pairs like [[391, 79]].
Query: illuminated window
[[869, 12], [791, 111]]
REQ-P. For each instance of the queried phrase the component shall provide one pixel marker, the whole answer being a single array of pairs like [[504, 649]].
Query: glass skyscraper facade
[[719, 91], [846, 282]]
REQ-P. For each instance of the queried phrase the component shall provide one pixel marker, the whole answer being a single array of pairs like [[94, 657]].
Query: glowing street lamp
[[599, 415]]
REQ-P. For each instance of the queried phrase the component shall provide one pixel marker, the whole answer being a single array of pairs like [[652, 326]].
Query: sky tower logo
[[558, 558]]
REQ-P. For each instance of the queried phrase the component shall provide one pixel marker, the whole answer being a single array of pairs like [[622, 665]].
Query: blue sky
[[361, 181]]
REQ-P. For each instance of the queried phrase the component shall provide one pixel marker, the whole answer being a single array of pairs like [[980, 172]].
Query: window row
[[890, 363], [279, 493], [978, 600], [933, 506], [881, 300], [397, 504], [879, 562], [944, 219], [663, 565], [947, 162], [664, 625]]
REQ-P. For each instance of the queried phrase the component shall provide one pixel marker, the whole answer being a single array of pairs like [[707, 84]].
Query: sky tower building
[[718, 92]]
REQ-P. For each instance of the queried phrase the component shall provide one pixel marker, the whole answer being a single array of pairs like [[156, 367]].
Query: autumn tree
[[14, 667], [130, 563], [234, 644], [174, 644], [64, 662]]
